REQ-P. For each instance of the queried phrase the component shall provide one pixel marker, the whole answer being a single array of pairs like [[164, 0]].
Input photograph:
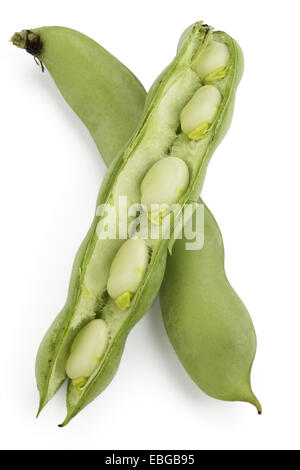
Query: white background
[[50, 174]]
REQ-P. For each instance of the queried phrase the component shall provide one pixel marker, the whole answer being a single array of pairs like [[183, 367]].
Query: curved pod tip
[[65, 422], [42, 404], [257, 405], [39, 412], [254, 401]]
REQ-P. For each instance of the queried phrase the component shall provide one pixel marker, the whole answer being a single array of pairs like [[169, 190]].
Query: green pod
[[86, 73], [156, 138], [88, 77], [207, 323], [68, 81]]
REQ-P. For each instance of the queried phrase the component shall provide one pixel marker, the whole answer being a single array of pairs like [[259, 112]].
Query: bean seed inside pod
[[87, 349], [200, 112], [127, 271], [213, 61], [164, 184]]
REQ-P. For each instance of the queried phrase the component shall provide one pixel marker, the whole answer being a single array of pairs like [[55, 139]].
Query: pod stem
[[31, 42]]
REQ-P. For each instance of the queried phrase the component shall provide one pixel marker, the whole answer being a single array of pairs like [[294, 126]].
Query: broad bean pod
[[206, 321], [97, 86], [199, 304]]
